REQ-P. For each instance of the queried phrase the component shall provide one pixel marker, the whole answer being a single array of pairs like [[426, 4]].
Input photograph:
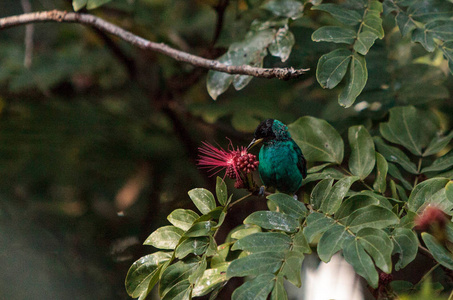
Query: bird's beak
[[253, 143]]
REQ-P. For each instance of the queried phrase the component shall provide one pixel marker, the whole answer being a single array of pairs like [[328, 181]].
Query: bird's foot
[[295, 197], [261, 191]]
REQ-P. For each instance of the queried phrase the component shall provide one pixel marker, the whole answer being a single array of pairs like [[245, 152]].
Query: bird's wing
[[301, 162]]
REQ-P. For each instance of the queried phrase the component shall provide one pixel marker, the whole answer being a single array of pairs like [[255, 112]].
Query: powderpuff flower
[[236, 162], [431, 218]]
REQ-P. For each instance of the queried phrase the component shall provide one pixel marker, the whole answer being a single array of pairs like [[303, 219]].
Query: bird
[[281, 163]]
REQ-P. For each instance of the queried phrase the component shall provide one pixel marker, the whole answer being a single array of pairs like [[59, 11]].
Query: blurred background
[[98, 139]]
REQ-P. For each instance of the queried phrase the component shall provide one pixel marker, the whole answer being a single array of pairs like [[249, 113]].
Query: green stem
[[361, 180], [239, 200], [418, 170]]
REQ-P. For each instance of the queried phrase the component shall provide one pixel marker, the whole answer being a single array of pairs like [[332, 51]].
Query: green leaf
[[425, 38], [378, 245], [263, 242], [198, 272], [221, 191], [424, 191], [292, 267], [285, 8], [425, 11], [320, 192], [300, 243], [355, 81], [273, 220], [195, 245], [317, 224], [438, 143], [174, 275], [256, 289], [256, 264], [328, 173], [288, 205], [203, 228], [182, 218], [406, 244], [166, 237], [92, 4], [364, 42], [332, 67], [372, 21], [371, 216], [353, 203], [243, 232], [363, 155], [332, 241], [203, 200], [405, 24], [442, 163], [393, 154], [355, 255], [79, 4], [380, 184], [410, 128], [282, 44], [344, 15], [211, 279], [333, 201], [139, 278], [441, 29], [334, 34], [179, 291], [449, 191], [318, 140], [279, 291], [395, 172], [218, 82], [440, 254]]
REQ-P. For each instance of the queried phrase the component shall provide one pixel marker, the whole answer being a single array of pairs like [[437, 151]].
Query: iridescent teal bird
[[282, 164]]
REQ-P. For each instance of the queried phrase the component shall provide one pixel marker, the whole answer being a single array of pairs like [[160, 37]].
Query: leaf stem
[[418, 170], [239, 200], [361, 180]]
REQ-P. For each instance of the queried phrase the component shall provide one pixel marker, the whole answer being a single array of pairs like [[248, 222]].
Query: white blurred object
[[334, 280]]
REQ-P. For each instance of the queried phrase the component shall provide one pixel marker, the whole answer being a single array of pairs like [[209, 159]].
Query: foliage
[[99, 141], [365, 214]]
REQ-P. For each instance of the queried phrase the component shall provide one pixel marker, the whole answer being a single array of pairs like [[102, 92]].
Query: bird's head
[[269, 130]]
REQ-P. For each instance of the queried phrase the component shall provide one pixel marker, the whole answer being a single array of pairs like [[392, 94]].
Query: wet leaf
[[393, 154], [210, 280], [317, 224], [221, 191], [273, 220], [140, 276], [197, 246], [285, 8], [166, 237], [333, 201], [353, 203], [203, 200], [320, 192], [182, 218]]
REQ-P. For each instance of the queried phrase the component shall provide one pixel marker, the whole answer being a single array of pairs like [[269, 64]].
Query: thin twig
[[26, 6], [86, 19]]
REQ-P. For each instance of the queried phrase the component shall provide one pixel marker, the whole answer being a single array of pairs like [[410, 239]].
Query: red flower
[[431, 217], [236, 162]]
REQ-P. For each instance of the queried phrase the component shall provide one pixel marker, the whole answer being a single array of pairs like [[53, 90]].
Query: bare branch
[[86, 19]]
